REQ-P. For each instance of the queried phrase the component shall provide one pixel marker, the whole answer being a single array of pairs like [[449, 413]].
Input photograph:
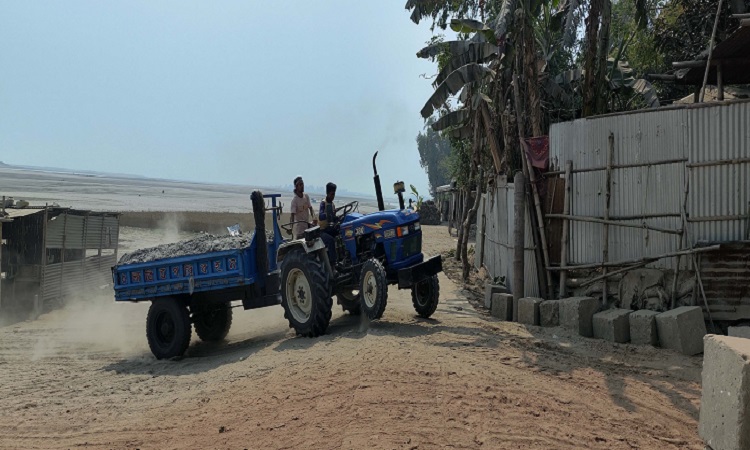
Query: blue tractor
[[373, 251]]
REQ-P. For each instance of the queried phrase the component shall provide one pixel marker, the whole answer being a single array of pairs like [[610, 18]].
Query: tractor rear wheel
[[425, 296], [305, 293], [350, 302], [212, 322], [373, 289], [168, 328]]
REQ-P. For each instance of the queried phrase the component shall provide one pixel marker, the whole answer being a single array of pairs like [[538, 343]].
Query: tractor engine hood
[[380, 220]]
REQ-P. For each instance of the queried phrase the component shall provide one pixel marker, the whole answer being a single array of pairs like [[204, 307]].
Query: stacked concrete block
[[612, 325], [724, 422], [643, 327], [549, 313], [682, 329], [528, 310], [490, 289], [742, 332], [577, 314], [502, 306]]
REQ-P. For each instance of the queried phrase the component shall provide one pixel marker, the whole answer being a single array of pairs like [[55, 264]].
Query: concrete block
[[742, 332], [612, 325], [643, 328], [528, 310], [515, 309], [490, 289], [502, 306], [577, 314], [549, 313], [682, 329], [724, 421]]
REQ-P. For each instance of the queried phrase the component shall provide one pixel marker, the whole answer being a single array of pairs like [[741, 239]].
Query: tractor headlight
[[402, 231], [417, 227], [388, 234]]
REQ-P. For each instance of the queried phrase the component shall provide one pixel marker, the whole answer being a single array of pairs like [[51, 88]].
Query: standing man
[[301, 210]]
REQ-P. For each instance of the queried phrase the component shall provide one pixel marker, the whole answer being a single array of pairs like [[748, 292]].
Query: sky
[[242, 92]]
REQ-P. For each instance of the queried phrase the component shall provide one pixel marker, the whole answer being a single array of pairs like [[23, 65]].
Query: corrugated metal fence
[[496, 211], [710, 143]]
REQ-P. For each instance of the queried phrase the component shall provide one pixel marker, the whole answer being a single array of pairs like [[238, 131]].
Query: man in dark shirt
[[327, 222]]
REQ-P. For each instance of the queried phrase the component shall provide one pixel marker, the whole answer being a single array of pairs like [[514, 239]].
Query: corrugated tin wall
[[701, 134], [74, 231], [496, 210]]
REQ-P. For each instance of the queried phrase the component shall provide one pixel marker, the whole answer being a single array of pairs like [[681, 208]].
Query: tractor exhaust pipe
[[376, 179]]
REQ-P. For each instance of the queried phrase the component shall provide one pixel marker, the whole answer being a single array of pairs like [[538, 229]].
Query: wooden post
[[682, 239], [566, 230], [519, 227], [607, 197], [719, 83]]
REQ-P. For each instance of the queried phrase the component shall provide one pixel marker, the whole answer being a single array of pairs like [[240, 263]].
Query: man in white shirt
[[301, 209]]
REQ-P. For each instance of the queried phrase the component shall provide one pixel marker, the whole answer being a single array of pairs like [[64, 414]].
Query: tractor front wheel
[[168, 328], [373, 289], [425, 296], [305, 293]]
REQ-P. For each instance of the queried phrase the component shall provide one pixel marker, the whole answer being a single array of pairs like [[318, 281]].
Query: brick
[[502, 306], [682, 329], [577, 314], [643, 328], [490, 289], [549, 313], [528, 310], [742, 332], [612, 325], [724, 422]]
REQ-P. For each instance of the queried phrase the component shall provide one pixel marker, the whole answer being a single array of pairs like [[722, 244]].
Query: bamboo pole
[[622, 166], [719, 162], [613, 222], [607, 197], [646, 259], [519, 228], [532, 178], [565, 229]]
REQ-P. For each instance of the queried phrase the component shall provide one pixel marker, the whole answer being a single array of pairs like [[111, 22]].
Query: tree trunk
[[589, 58], [489, 131], [467, 226], [603, 53], [534, 105]]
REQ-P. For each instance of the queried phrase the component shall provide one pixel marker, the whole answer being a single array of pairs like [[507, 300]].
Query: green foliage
[[434, 150], [416, 195]]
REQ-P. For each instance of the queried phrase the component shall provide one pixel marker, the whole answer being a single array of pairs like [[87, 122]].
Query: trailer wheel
[[305, 294], [373, 288], [168, 328], [425, 296], [350, 302], [212, 322]]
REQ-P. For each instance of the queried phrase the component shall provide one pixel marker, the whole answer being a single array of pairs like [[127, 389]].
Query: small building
[[48, 254]]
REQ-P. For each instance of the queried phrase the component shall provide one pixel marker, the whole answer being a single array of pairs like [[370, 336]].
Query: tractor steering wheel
[[349, 207]]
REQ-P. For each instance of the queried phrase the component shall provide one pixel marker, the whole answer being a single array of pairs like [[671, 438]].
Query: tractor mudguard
[[409, 276]]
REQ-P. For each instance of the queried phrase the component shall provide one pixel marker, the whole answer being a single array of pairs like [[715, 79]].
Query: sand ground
[[83, 377]]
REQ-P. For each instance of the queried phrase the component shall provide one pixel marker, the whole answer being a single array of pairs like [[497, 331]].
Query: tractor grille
[[412, 245]]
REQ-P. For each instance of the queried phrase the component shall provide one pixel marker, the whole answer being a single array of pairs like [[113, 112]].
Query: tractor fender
[[286, 247]]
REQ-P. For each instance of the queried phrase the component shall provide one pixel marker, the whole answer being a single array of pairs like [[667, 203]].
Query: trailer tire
[[425, 296], [373, 288], [305, 293], [212, 322], [350, 302], [168, 328]]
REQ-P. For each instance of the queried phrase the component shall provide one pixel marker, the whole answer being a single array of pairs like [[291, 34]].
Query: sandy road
[[83, 377]]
